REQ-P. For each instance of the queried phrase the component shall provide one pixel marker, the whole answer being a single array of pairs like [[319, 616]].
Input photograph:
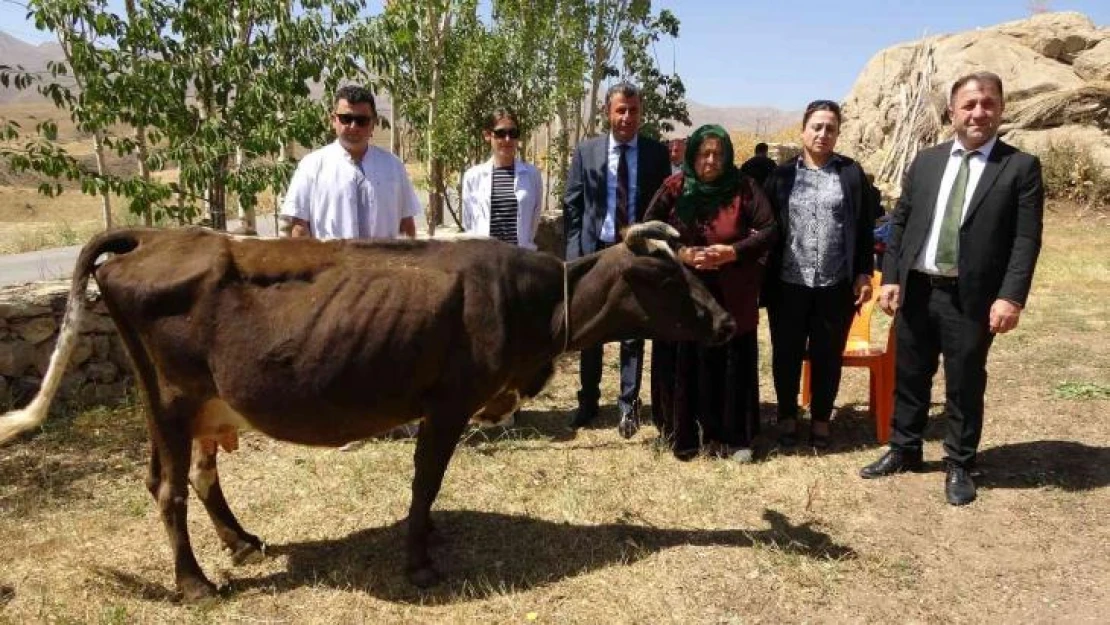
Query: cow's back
[[321, 342]]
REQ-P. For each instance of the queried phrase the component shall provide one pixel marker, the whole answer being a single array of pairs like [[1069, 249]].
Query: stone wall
[[99, 371]]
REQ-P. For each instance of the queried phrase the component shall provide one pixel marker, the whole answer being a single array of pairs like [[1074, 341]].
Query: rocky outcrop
[[1094, 64], [1054, 67]]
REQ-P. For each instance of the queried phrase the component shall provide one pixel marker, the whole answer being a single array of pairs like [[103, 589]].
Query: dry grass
[[743, 141], [541, 525]]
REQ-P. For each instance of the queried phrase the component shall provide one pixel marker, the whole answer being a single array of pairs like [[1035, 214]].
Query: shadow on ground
[[46, 469], [1068, 465], [852, 429], [484, 553], [552, 426]]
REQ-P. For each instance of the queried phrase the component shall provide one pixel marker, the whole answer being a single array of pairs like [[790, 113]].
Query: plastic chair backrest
[[859, 335]]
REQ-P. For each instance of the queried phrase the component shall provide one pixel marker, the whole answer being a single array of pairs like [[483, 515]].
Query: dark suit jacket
[[758, 167], [1000, 238], [585, 201], [859, 227]]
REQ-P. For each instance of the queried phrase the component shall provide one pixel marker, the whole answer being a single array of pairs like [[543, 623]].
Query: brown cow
[[322, 343]]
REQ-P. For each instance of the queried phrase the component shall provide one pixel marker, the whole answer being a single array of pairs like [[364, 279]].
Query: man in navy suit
[[965, 238], [612, 180]]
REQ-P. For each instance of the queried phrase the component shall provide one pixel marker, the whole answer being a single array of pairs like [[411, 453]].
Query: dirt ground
[[542, 525]]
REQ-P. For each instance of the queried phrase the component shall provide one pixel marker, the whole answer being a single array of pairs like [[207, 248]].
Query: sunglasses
[[506, 133], [347, 119]]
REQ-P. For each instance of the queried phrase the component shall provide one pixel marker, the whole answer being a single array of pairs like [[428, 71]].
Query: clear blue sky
[[784, 53], [780, 53]]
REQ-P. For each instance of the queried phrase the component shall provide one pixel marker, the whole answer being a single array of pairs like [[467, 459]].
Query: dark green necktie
[[948, 245]]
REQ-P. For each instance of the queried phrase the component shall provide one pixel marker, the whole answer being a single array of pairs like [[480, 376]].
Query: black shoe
[[628, 426], [630, 421], [686, 454], [820, 442], [893, 461], [791, 437], [959, 489], [584, 416]]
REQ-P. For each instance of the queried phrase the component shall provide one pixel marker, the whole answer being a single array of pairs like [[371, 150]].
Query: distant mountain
[[16, 52], [760, 119]]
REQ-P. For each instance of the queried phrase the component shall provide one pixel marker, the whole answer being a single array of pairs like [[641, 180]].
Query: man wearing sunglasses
[[351, 189], [612, 180]]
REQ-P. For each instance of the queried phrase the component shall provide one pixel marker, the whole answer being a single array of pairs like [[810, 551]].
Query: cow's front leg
[[205, 478], [439, 434]]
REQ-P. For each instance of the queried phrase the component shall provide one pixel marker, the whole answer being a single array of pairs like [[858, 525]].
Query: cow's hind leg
[[434, 446], [169, 483], [205, 478]]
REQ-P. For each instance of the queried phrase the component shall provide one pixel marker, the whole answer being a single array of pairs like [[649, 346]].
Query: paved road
[[47, 264], [56, 263]]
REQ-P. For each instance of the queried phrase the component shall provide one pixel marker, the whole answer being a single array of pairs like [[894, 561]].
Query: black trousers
[[632, 367], [931, 323], [818, 318]]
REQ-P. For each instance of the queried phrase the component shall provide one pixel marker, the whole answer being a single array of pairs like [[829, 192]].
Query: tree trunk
[[140, 130], [435, 163], [105, 197], [248, 222], [144, 169], [216, 195], [547, 171], [279, 197]]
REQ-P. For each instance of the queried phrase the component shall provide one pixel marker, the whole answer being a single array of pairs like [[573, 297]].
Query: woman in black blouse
[[820, 271]]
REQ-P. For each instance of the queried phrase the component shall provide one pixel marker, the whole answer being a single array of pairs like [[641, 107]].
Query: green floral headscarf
[[700, 199]]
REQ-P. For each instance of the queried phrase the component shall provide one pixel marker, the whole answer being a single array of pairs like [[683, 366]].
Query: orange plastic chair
[[878, 359]]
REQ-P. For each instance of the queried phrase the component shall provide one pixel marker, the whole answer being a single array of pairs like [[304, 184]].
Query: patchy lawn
[[545, 526]]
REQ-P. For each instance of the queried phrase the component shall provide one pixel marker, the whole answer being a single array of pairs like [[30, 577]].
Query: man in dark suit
[[759, 166], [965, 239], [611, 182]]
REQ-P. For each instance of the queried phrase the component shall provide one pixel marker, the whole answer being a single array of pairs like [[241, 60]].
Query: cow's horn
[[638, 235]]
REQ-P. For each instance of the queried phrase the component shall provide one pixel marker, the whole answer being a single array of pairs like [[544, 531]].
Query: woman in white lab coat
[[502, 197]]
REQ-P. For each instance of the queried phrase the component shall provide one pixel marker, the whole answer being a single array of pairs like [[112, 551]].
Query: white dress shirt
[[344, 199], [528, 188], [927, 260]]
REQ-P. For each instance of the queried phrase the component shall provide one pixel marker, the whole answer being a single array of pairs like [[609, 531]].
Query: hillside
[[16, 52]]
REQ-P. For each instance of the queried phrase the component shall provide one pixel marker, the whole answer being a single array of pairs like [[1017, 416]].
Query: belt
[[935, 281]]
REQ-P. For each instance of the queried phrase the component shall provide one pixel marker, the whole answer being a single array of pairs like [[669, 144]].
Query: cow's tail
[[16, 422]]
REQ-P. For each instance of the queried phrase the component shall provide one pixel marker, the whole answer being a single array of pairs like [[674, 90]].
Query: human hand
[[717, 255], [690, 255], [862, 289], [890, 296], [1004, 316]]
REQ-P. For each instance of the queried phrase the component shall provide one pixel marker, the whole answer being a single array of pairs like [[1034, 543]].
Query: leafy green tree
[[218, 90]]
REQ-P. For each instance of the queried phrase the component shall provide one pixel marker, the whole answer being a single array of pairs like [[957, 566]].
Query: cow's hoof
[[193, 590], [424, 577], [247, 552]]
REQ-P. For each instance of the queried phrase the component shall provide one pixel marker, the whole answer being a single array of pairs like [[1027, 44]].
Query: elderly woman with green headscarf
[[727, 227]]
